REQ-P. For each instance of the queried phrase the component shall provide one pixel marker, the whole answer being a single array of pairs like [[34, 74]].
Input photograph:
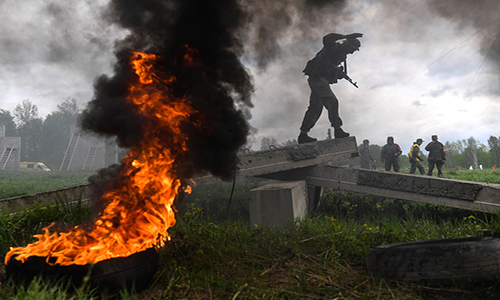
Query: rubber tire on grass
[[441, 261], [134, 271]]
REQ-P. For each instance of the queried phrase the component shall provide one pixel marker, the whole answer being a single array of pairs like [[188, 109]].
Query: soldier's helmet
[[353, 43], [330, 40]]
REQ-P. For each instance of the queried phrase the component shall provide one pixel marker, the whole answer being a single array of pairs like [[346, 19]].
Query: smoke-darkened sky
[[425, 67]]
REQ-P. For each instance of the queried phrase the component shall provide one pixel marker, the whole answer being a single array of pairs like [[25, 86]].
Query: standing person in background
[[365, 155], [416, 158], [390, 154], [437, 155], [325, 69]]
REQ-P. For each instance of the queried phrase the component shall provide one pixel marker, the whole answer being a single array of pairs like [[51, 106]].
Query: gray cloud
[[53, 50]]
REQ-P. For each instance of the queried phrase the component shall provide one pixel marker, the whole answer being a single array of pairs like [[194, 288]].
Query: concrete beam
[[291, 157], [441, 191]]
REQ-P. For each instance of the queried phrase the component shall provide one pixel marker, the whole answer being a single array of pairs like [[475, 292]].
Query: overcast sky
[[424, 67]]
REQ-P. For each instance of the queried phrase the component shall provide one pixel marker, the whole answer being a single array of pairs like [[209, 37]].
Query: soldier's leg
[[312, 114], [396, 166], [420, 168], [431, 167], [413, 167], [331, 103], [439, 166], [387, 166]]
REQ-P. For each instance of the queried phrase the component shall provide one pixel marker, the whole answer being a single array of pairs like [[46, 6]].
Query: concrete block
[[278, 204]]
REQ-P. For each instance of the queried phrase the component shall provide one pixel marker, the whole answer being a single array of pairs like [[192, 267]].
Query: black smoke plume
[[220, 90]]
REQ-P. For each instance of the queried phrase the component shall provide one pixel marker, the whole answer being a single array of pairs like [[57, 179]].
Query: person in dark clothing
[[416, 158], [390, 154], [437, 155], [365, 155], [325, 69]]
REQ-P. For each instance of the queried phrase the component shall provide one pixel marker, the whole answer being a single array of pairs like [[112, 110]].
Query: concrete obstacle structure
[[10, 151], [324, 164], [470, 195], [291, 157], [278, 204]]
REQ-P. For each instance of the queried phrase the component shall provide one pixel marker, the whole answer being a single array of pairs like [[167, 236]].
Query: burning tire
[[135, 270], [442, 261]]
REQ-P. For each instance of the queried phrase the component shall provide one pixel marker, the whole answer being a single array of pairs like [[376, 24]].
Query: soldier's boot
[[304, 138], [339, 133]]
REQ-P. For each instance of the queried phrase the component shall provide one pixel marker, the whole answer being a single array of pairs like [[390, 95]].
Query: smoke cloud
[[221, 90], [483, 15]]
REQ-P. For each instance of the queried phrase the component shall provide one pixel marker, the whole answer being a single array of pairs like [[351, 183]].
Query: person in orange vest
[[416, 158]]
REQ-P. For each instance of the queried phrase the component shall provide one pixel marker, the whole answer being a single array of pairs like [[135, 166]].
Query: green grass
[[488, 176], [18, 183], [17, 230], [320, 257]]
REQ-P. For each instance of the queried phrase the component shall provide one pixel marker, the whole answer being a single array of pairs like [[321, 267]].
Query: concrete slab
[[278, 204], [441, 191], [435, 190], [291, 157]]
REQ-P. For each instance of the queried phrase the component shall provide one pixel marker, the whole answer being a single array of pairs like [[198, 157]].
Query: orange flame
[[139, 212]]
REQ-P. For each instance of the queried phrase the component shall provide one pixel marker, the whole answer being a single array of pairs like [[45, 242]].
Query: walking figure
[[390, 155], [437, 155], [325, 69]]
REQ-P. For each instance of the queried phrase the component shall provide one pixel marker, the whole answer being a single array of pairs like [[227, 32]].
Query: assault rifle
[[346, 77]]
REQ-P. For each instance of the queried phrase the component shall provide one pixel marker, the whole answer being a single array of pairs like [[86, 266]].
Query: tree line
[[46, 139], [43, 140]]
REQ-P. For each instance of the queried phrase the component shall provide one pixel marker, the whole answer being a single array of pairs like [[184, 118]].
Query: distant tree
[[454, 154], [7, 120], [290, 142], [266, 142], [484, 157], [56, 132], [69, 107], [25, 112], [494, 144], [470, 152], [29, 128]]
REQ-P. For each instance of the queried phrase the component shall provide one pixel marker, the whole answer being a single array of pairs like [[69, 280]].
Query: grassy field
[[320, 257], [18, 183]]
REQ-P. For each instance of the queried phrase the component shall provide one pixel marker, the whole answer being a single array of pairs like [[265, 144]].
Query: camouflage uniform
[[390, 155], [437, 155], [322, 71]]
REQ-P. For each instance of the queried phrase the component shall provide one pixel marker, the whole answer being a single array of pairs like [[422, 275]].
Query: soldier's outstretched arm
[[353, 35]]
